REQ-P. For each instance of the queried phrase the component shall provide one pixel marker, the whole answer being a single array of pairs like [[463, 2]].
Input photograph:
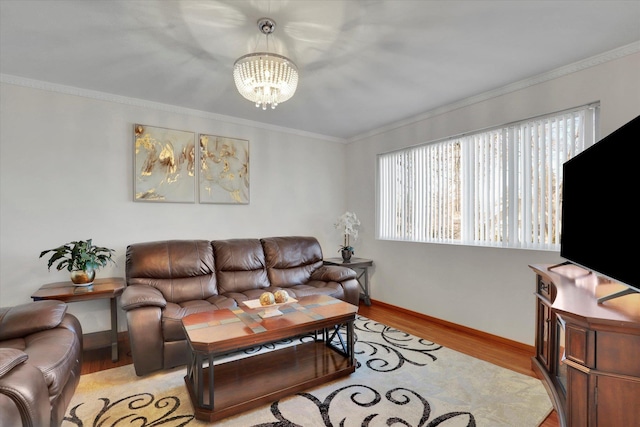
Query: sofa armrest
[[24, 396], [333, 273], [141, 296], [26, 319], [10, 358]]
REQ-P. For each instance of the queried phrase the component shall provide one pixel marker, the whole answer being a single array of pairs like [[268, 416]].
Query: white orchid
[[348, 222]]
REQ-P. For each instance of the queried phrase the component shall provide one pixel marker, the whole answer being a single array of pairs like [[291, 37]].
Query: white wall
[[66, 174], [483, 288]]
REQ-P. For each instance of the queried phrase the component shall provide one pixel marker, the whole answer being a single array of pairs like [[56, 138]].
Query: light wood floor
[[496, 350]]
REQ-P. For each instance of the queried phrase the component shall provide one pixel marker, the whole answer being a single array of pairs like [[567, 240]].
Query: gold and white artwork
[[224, 170], [164, 165]]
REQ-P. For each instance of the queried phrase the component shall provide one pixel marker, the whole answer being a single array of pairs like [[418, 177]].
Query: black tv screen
[[600, 214]]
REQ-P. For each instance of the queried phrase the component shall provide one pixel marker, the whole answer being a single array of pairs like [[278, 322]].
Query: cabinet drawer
[[546, 289], [618, 353]]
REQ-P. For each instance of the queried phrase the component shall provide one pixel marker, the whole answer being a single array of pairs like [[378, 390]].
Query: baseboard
[[459, 328]]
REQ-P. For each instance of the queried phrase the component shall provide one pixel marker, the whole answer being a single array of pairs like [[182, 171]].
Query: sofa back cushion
[[28, 318], [182, 270], [240, 265], [291, 260]]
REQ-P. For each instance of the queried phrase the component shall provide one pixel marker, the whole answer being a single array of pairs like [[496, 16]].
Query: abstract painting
[[164, 165], [224, 170]]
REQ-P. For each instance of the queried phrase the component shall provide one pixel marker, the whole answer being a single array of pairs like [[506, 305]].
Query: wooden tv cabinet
[[587, 354]]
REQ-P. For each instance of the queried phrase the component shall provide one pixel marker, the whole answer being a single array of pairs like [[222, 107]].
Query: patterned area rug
[[400, 380]]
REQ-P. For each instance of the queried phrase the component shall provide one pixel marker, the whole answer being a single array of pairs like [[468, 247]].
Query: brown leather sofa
[[40, 363], [168, 280]]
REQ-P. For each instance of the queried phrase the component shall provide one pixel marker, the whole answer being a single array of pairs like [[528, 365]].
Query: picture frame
[[223, 174], [164, 165]]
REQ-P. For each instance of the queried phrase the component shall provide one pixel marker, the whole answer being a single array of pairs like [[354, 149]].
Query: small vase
[[346, 255], [83, 277]]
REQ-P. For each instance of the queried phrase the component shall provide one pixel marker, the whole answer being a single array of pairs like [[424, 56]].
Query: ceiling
[[363, 64]]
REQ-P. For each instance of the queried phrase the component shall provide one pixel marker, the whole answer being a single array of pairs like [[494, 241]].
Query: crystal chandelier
[[265, 78]]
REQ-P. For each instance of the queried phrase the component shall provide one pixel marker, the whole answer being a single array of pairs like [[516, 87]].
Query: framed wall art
[[164, 163], [224, 170]]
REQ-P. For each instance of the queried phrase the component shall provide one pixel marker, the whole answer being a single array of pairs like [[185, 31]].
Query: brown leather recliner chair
[[168, 280], [40, 363]]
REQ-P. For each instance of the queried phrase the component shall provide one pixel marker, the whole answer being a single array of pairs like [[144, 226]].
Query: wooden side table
[[361, 266], [104, 288]]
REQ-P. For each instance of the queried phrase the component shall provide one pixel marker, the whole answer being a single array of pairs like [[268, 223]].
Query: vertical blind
[[497, 187]]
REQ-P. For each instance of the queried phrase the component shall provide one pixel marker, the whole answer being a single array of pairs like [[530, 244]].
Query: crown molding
[[522, 84], [513, 87], [136, 102]]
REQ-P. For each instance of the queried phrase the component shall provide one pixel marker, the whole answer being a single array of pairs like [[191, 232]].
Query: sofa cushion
[[181, 270], [332, 289], [291, 260], [28, 318], [240, 265]]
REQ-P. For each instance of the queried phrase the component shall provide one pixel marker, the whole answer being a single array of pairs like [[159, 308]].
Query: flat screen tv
[[600, 214]]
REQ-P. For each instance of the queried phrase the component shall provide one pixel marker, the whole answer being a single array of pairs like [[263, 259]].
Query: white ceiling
[[363, 64]]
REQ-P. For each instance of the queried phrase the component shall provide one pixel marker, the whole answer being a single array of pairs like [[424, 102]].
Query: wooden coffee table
[[233, 387]]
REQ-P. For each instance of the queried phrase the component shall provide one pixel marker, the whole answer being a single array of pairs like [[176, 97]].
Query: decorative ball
[[267, 298], [281, 296]]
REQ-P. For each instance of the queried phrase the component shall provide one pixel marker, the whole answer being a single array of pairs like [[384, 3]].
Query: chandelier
[[265, 78]]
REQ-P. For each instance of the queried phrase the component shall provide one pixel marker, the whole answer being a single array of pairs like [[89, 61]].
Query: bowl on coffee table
[[270, 310]]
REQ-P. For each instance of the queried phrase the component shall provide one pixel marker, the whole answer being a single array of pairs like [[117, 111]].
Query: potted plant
[[81, 258], [348, 222]]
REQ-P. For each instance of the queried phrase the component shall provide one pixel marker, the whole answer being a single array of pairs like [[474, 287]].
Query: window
[[497, 187]]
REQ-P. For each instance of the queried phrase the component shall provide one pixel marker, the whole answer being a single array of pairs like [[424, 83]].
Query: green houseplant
[[81, 258]]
